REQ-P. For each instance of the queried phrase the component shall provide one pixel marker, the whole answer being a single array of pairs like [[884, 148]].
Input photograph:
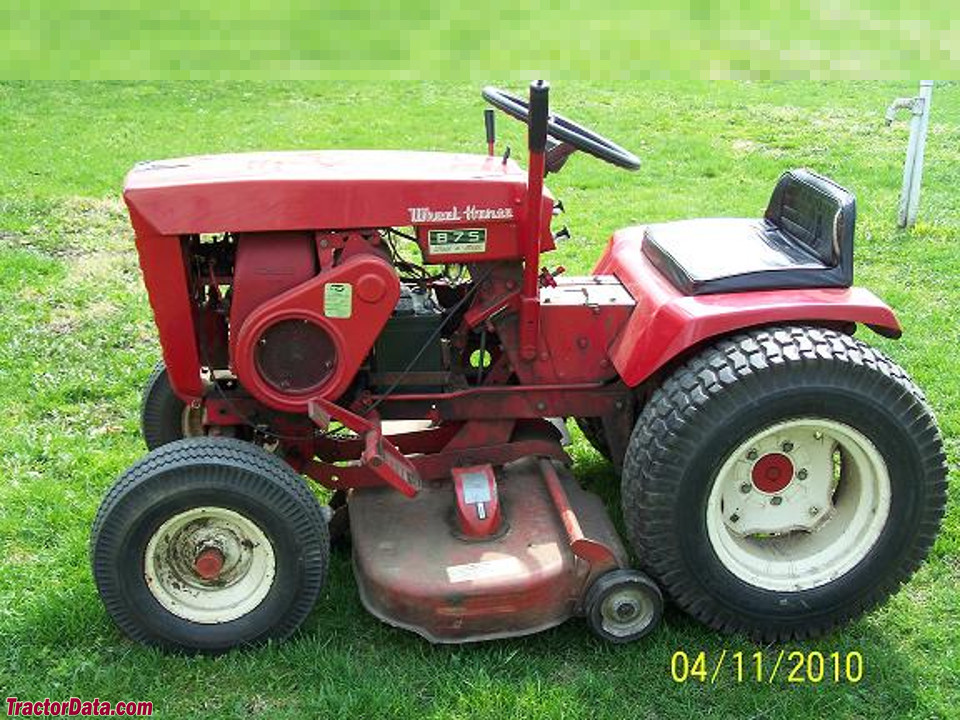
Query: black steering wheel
[[564, 130]]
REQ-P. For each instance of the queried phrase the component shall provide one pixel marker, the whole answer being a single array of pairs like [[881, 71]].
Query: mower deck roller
[[778, 476], [532, 572]]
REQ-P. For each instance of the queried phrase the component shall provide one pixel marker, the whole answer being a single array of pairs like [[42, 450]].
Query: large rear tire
[[783, 482], [208, 544]]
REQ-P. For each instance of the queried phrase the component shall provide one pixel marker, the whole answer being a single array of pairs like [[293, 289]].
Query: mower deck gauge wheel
[[623, 606]]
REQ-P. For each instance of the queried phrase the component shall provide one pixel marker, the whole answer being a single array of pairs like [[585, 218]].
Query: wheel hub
[[626, 611], [772, 473], [778, 482], [209, 563], [797, 504]]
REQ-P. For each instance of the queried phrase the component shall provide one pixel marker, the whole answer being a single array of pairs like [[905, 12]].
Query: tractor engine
[[311, 314], [302, 322], [410, 349]]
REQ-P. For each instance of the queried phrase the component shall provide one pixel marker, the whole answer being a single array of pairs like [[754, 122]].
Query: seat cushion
[[720, 255]]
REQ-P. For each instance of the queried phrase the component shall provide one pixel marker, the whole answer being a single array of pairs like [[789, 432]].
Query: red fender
[[666, 322]]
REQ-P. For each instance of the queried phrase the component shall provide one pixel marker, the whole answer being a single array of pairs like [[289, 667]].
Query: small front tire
[[592, 429], [208, 544]]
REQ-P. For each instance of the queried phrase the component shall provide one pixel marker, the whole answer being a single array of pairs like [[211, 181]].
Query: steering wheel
[[564, 130]]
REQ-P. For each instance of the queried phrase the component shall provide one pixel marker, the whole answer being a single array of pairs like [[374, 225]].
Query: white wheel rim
[[819, 525], [242, 550], [626, 611]]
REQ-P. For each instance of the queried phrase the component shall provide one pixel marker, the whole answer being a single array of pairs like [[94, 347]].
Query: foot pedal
[[380, 456]]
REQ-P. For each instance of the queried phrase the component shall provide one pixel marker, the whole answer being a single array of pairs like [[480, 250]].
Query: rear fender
[[666, 323]]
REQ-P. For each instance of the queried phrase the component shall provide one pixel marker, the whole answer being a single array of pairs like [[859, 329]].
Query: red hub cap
[[209, 563], [772, 473]]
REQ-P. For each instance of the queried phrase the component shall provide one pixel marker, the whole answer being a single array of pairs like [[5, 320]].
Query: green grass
[[77, 342], [417, 39]]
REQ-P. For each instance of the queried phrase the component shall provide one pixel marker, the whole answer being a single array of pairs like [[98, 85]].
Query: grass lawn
[[77, 341]]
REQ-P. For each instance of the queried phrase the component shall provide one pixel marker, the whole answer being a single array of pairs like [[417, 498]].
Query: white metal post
[[918, 139], [913, 166]]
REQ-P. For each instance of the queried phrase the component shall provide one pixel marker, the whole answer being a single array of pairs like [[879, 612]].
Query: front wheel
[[208, 544], [783, 482], [164, 417]]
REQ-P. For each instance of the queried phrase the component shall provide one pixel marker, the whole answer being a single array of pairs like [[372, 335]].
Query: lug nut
[[745, 488], [734, 518], [814, 510], [776, 500], [802, 474], [787, 446], [751, 455]]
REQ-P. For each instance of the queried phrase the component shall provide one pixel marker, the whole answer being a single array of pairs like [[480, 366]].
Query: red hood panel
[[324, 189]]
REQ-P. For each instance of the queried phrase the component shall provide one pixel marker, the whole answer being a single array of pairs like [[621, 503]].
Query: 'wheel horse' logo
[[470, 213]]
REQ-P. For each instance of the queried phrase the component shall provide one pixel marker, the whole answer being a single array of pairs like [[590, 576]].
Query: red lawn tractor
[[381, 323]]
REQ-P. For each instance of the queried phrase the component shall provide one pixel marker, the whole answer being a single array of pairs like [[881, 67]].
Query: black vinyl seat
[[805, 239]]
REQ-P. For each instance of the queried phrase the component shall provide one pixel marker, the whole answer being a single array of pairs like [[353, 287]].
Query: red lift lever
[[589, 549]]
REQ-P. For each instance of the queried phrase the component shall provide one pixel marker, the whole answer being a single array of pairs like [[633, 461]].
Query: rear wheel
[[208, 544], [164, 417], [783, 482]]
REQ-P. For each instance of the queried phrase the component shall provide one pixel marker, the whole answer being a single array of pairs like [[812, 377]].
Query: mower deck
[[416, 570]]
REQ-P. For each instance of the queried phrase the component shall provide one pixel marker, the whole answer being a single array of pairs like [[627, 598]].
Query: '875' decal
[[457, 242]]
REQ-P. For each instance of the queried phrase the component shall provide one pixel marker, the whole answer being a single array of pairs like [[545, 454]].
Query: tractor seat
[[805, 239]]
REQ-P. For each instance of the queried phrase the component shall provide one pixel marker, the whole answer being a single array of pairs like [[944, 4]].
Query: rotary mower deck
[[381, 323]]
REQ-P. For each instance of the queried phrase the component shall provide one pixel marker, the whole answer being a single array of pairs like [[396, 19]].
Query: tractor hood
[[326, 190]]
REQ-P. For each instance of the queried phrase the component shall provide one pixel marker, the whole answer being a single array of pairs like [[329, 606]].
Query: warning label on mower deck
[[452, 242], [483, 570], [338, 300]]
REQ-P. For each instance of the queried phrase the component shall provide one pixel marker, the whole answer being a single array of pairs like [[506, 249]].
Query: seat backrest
[[816, 214]]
